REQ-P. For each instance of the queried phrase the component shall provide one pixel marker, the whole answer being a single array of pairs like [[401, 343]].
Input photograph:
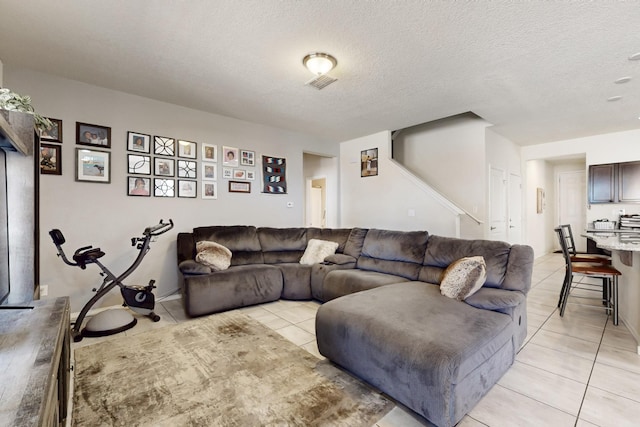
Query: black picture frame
[[138, 142], [50, 159], [138, 186], [93, 135], [53, 134]]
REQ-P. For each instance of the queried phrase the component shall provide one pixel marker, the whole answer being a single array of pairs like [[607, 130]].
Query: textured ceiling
[[539, 71]]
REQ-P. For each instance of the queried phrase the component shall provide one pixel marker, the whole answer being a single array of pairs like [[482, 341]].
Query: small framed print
[[50, 159], [164, 187], [187, 169], [54, 133], [138, 186], [163, 167], [209, 153], [187, 149], [139, 164], [239, 187], [209, 171], [239, 174], [138, 142], [227, 173], [93, 165], [164, 146], [209, 190], [93, 135], [230, 156], [251, 175], [247, 158], [187, 189]]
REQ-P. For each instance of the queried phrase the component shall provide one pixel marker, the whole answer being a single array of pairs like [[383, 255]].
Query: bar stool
[[608, 274]]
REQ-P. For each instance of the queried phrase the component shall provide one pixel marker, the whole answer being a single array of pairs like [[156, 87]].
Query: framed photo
[[239, 174], [251, 175], [164, 187], [209, 153], [187, 169], [187, 149], [138, 186], [138, 142], [53, 134], [139, 164], [239, 187], [187, 189], [369, 162], [163, 167], [50, 159], [230, 156], [93, 165], [247, 158], [227, 173], [93, 135], [209, 190], [164, 146], [209, 171]]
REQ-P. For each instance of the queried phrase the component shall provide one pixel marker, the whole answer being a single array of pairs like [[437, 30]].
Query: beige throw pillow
[[213, 255], [463, 278], [317, 250]]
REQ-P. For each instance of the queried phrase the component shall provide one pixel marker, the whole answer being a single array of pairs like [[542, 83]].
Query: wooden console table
[[34, 364]]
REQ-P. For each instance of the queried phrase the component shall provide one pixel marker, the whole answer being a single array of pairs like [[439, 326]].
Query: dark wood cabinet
[[614, 183]]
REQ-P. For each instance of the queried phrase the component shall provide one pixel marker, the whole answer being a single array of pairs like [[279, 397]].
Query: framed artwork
[[209, 190], [274, 175], [50, 159], [139, 164], [230, 156], [138, 142], [209, 152], [239, 174], [187, 169], [187, 149], [369, 162], [209, 171], [187, 188], [251, 175], [93, 135], [247, 158], [138, 186], [54, 133], [164, 187], [239, 187], [93, 165], [164, 146], [227, 173], [163, 167]]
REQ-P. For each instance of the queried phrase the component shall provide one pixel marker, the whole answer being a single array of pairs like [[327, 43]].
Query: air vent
[[321, 82]]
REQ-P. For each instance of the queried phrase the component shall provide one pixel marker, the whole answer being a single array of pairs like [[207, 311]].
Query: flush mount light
[[635, 57], [621, 80], [319, 63]]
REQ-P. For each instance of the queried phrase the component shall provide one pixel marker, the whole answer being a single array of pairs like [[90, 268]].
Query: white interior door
[[515, 209], [572, 205], [316, 217], [498, 204]]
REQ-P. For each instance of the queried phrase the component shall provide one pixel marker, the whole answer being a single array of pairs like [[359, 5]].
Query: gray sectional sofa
[[383, 318]]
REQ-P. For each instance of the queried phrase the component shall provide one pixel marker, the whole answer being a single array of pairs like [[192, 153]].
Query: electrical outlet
[[289, 204], [44, 290]]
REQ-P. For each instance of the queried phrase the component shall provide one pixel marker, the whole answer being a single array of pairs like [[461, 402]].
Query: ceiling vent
[[321, 81]]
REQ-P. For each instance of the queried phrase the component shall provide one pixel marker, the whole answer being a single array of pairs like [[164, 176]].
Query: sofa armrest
[[190, 266], [339, 259], [496, 299]]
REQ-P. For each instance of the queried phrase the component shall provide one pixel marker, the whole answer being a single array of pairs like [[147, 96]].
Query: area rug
[[222, 370]]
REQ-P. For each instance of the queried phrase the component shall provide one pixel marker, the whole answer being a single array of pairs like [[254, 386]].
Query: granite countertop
[[619, 240]]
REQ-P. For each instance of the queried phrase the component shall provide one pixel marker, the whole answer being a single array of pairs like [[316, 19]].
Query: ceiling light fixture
[[614, 98], [319, 63], [635, 57], [625, 79]]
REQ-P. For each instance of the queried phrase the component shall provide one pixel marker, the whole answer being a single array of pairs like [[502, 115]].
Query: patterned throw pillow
[[213, 255], [463, 278], [317, 250]]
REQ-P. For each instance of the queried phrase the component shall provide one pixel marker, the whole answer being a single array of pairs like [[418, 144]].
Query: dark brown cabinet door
[[629, 182], [602, 183]]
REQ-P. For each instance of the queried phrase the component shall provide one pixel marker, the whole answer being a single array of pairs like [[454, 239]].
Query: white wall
[[384, 201], [103, 215]]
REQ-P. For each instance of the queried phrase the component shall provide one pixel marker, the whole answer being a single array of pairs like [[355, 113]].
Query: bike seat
[[84, 256]]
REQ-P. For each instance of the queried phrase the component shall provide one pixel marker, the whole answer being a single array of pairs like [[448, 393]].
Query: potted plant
[[11, 101]]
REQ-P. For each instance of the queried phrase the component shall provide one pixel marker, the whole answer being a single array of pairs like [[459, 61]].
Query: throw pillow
[[317, 250], [463, 277], [213, 255]]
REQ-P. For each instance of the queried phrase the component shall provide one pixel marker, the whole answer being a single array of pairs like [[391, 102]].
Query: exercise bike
[[140, 299]]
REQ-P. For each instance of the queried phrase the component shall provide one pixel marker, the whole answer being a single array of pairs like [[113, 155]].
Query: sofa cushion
[[242, 240], [282, 245], [213, 255], [317, 251], [296, 281], [394, 252], [338, 235], [353, 247], [343, 282], [463, 278], [190, 266]]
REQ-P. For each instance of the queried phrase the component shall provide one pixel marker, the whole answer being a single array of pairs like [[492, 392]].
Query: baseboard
[[633, 332], [95, 311]]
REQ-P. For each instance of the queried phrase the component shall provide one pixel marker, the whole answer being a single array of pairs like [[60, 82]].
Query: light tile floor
[[577, 370]]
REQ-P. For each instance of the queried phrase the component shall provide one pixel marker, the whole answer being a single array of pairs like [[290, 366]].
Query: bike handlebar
[[160, 228]]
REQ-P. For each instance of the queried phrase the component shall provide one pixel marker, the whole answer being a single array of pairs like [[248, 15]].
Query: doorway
[[497, 204], [572, 188], [316, 212]]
